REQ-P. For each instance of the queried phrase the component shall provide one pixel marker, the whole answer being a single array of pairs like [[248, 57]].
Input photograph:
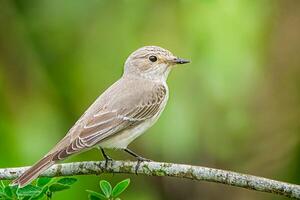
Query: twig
[[166, 169]]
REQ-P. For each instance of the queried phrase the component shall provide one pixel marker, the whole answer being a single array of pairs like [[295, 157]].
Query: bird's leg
[[106, 157], [138, 157]]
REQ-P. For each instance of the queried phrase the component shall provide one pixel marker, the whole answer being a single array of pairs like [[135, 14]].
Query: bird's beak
[[179, 61]]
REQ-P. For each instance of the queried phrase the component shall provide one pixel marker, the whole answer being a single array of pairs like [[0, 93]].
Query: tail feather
[[34, 171], [60, 152]]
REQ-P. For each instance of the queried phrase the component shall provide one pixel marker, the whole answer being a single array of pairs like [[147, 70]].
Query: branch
[[166, 169]]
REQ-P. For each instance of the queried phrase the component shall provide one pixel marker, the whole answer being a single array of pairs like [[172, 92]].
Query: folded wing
[[104, 123]]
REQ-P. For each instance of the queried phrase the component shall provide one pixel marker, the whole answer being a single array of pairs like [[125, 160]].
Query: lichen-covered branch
[[166, 169]]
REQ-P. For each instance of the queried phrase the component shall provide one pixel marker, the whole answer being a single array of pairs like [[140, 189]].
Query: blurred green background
[[236, 106]]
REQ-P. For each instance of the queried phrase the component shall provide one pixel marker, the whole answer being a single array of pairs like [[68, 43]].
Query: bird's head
[[151, 62]]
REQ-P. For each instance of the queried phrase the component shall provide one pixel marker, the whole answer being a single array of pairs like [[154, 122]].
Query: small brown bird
[[122, 113]]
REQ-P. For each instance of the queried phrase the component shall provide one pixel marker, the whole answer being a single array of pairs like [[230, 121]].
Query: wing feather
[[106, 123], [110, 114], [101, 127]]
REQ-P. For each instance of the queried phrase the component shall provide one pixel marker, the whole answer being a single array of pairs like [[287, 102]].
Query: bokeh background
[[236, 106]]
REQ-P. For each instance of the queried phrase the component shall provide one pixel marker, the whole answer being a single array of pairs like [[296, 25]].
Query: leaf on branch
[[105, 187], [2, 184], [95, 195], [120, 187], [29, 190], [67, 181], [41, 195], [56, 187], [8, 192], [41, 182]]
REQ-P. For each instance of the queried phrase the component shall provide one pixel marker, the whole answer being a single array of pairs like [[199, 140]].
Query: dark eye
[[153, 58]]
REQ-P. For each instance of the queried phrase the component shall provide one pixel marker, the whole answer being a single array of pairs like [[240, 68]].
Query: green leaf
[[92, 197], [120, 187], [2, 184], [95, 195], [13, 189], [49, 194], [8, 192], [42, 194], [106, 188], [45, 189], [29, 190], [43, 181], [67, 181], [56, 187], [1, 191]]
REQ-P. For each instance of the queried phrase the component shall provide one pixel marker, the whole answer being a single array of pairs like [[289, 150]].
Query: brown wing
[[106, 123], [99, 123]]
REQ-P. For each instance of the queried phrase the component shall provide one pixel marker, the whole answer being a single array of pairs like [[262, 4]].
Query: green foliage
[[43, 181], [43, 188], [120, 187], [67, 181], [106, 188], [58, 187], [95, 195], [109, 193], [29, 190]]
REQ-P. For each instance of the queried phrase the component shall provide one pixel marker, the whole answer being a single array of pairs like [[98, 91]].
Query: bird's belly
[[121, 140]]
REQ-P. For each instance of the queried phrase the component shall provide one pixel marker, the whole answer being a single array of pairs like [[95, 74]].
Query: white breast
[[123, 139]]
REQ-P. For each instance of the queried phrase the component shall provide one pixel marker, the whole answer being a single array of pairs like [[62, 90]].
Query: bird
[[120, 114]]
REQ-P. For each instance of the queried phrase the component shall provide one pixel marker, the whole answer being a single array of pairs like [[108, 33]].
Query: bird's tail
[[34, 171]]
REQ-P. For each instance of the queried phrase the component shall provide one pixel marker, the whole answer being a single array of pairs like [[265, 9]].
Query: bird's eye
[[153, 58]]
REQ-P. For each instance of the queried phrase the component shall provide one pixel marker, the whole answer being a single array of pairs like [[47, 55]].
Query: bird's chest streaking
[[122, 139]]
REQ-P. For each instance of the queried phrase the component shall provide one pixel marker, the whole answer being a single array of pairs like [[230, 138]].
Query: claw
[[139, 161], [106, 157]]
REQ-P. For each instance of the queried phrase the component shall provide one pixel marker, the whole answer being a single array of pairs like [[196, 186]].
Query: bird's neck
[[153, 75]]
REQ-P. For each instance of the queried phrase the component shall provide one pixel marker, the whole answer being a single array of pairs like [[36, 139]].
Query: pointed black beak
[[180, 61]]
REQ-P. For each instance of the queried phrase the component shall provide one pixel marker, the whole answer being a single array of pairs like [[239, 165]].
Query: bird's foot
[[139, 161], [139, 158], [106, 157]]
